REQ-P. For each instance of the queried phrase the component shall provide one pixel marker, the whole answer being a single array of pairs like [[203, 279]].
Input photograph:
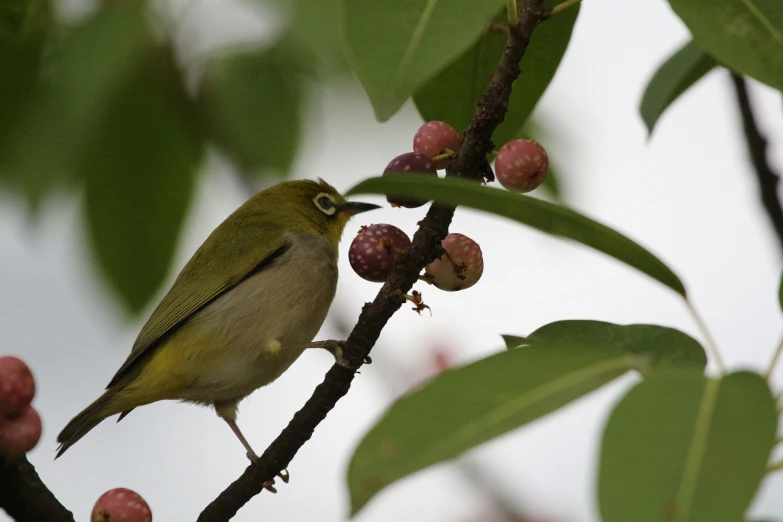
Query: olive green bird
[[262, 281]]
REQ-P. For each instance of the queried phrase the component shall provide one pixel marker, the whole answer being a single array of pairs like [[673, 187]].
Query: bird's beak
[[354, 207]]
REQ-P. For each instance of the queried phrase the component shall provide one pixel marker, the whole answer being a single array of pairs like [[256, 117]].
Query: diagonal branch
[[490, 111], [757, 150], [24, 497]]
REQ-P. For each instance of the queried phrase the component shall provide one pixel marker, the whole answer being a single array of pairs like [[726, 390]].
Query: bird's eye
[[325, 204]]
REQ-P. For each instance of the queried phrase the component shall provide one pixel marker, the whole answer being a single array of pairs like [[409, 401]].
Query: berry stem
[[774, 361], [559, 8], [513, 13], [712, 347], [446, 155]]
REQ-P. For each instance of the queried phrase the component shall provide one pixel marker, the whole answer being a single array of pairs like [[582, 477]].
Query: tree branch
[[471, 162], [757, 150], [24, 497]]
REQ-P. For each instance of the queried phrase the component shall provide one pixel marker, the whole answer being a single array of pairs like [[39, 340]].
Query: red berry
[[374, 250], [409, 162], [121, 505], [433, 138], [17, 386], [20, 434], [459, 268], [521, 165]]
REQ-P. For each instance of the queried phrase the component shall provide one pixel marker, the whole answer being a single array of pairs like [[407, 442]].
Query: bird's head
[[313, 207]]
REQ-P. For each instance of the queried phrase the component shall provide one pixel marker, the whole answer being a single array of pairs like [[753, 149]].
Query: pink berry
[[409, 162], [521, 165], [20, 434], [374, 250], [121, 505], [434, 138], [17, 386], [459, 268]]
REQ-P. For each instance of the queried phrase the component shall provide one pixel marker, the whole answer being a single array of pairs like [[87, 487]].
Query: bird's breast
[[285, 302]]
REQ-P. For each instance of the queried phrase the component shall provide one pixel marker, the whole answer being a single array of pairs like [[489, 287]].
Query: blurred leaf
[[139, 163], [664, 347], [745, 36], [558, 364], [512, 341], [682, 447], [451, 96], [24, 28], [547, 217], [82, 74], [684, 68], [251, 105], [316, 24], [394, 47]]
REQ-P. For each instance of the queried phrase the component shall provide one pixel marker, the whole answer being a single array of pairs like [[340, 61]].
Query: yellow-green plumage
[[263, 280]]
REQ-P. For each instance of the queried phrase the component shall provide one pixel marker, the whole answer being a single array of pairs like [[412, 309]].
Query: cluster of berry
[[20, 431], [20, 424], [521, 165]]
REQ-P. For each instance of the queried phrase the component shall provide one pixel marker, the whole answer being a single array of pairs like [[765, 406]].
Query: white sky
[[687, 194]]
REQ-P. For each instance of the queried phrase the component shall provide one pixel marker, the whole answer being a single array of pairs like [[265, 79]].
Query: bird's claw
[[284, 476], [269, 485]]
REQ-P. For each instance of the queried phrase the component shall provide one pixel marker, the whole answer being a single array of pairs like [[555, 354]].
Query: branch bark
[[767, 178], [25, 497], [471, 162]]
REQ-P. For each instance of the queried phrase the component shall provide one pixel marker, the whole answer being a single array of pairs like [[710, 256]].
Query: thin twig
[[757, 150], [774, 360], [425, 248], [712, 346]]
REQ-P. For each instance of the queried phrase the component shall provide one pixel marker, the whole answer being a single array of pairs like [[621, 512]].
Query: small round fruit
[[409, 162], [20, 434], [121, 505], [521, 165], [433, 138], [460, 267], [17, 386], [374, 250]]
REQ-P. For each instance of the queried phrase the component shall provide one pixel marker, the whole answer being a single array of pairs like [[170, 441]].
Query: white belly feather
[[286, 302]]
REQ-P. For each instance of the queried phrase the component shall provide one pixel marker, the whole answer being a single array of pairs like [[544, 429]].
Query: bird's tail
[[87, 420]]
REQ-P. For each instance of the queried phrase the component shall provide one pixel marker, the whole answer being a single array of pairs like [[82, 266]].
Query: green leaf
[[683, 69], [467, 406], [139, 163], [547, 217], [82, 74], [685, 448], [251, 106], [663, 347], [746, 35], [25, 26], [394, 47], [451, 96], [512, 341]]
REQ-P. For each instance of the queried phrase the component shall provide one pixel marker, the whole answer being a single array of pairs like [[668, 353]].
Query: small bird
[[261, 282]]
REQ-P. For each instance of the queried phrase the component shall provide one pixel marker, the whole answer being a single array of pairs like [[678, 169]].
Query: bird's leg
[[331, 346], [227, 410]]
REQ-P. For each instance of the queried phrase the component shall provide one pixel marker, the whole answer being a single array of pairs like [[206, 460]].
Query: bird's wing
[[219, 264]]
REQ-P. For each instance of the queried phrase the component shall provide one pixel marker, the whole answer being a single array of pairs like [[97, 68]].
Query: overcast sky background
[[688, 194]]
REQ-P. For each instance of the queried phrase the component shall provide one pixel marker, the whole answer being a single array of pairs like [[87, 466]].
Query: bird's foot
[[252, 456], [284, 476], [269, 485]]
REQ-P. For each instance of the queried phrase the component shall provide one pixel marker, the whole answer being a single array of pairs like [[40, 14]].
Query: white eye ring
[[329, 209]]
